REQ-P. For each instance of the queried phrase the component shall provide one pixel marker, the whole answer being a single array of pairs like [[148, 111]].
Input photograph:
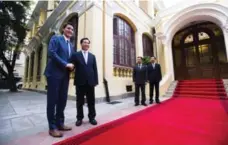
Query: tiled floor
[[23, 117]]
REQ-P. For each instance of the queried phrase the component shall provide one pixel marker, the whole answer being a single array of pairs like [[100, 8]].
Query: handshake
[[70, 66]]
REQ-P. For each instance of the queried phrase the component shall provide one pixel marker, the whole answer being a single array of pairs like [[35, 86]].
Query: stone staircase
[[225, 82], [171, 89], [173, 85]]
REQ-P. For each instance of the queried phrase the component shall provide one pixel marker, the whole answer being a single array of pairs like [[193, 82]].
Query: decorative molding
[[211, 12], [161, 36], [225, 25], [68, 11]]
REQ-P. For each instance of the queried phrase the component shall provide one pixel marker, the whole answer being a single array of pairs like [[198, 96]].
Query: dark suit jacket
[[85, 73], [58, 57], [154, 74], [140, 75]]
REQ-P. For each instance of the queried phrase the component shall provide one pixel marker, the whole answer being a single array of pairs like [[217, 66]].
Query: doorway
[[199, 52]]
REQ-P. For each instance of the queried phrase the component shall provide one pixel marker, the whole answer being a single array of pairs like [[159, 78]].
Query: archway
[[48, 40], [73, 19], [199, 52]]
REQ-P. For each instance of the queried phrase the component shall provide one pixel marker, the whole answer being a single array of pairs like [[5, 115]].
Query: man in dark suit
[[154, 77], [57, 74], [140, 78], [86, 78]]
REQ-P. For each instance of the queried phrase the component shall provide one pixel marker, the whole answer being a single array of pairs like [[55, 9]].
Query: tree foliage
[[13, 17]]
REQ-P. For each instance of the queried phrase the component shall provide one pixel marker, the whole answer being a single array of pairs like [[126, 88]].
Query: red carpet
[[212, 89], [179, 121]]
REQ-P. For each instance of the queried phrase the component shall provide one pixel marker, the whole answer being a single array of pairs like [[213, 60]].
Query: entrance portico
[[209, 12]]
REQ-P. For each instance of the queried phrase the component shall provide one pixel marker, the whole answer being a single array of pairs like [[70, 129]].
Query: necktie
[[69, 51], [85, 56]]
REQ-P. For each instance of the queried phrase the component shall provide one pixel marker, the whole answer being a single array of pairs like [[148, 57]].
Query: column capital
[[44, 44], [161, 36]]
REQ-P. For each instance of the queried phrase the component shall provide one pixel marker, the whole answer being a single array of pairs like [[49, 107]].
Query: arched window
[[27, 68], [49, 39], [74, 22], [124, 43], [203, 36], [40, 51], [189, 39], [32, 65], [147, 46]]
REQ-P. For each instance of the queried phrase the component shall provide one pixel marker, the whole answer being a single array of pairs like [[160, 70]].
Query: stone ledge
[[98, 100]]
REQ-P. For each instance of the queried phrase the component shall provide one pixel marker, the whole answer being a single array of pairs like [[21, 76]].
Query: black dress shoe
[[144, 104], [93, 122], [158, 102], [78, 122], [136, 104]]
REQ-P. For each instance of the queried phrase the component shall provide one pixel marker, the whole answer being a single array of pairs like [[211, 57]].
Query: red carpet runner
[[182, 120], [212, 89]]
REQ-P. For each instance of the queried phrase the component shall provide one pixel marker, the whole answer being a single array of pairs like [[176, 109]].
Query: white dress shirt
[[85, 55], [153, 65], [140, 66]]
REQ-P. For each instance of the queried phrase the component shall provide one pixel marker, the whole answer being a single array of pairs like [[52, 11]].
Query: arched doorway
[[199, 52], [147, 46]]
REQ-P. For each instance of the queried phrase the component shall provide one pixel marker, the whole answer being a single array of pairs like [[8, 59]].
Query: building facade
[[189, 39]]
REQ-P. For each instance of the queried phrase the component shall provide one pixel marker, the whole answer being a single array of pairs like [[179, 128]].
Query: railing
[[119, 71], [38, 78]]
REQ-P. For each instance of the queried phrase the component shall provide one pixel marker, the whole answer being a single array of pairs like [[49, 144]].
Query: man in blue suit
[[86, 78], [57, 73]]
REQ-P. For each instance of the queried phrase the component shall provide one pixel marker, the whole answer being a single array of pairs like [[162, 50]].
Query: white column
[[139, 44], [137, 2], [225, 34], [150, 8], [44, 62], [34, 82], [51, 7]]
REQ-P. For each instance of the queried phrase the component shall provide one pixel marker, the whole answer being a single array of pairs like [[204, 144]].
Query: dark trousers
[[57, 93], [88, 91], [137, 88], [152, 86]]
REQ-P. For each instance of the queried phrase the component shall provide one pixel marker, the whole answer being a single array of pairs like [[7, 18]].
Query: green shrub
[[146, 60]]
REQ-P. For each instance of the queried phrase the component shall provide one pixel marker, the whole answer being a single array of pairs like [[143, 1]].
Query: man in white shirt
[[140, 78], [154, 77], [86, 78]]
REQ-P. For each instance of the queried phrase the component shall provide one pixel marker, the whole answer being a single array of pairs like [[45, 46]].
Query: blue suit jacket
[[58, 57], [85, 73]]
